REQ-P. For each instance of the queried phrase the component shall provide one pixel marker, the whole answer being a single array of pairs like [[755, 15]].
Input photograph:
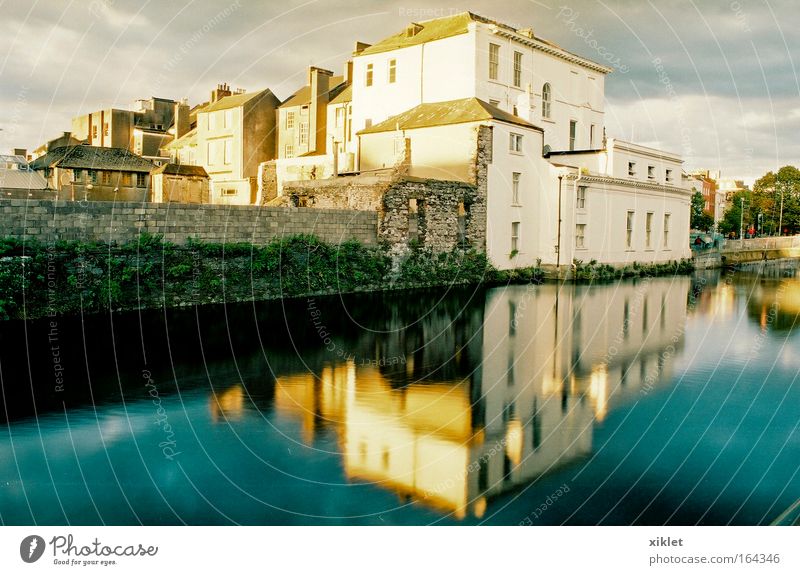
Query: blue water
[[669, 401]]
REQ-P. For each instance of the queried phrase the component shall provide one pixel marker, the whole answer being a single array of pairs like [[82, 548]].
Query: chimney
[[221, 91], [360, 47], [319, 82], [348, 73], [527, 32], [182, 122]]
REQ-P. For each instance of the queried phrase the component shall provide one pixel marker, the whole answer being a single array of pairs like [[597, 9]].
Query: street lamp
[[741, 220]]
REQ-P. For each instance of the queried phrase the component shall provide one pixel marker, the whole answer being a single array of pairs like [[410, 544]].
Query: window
[[106, 177], [515, 143], [515, 188], [77, 175], [289, 120], [303, 134], [629, 231], [339, 117], [140, 181], [580, 235], [514, 237], [517, 69], [392, 71], [288, 151], [367, 123], [125, 179], [666, 231], [631, 169], [651, 172], [212, 121], [370, 73], [105, 129], [592, 130], [227, 118], [494, 61], [227, 151], [92, 176], [580, 200], [94, 132], [668, 175], [547, 97], [648, 229], [573, 128], [229, 191], [210, 149]]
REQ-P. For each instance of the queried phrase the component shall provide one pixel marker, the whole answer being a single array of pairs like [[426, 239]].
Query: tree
[[732, 219], [777, 197], [698, 203]]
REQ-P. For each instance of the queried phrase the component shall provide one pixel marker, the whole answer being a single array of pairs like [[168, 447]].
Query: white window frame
[[289, 120], [515, 181], [392, 76], [547, 100], [517, 80], [580, 198], [580, 236], [515, 237], [494, 61], [515, 143], [666, 230], [648, 230], [630, 220]]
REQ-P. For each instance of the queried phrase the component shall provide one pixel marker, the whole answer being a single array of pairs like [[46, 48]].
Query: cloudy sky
[[714, 80]]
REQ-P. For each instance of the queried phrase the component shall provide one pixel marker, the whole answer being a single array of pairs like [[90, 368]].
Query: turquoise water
[[668, 401]]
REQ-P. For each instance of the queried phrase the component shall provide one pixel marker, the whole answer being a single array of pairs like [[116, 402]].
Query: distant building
[[65, 139], [22, 183], [144, 130], [234, 135], [95, 173], [179, 183], [303, 118]]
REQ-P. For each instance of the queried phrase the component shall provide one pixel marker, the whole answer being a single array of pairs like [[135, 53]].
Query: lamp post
[[741, 220]]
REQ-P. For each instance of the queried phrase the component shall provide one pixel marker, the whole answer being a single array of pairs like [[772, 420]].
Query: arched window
[[547, 99]]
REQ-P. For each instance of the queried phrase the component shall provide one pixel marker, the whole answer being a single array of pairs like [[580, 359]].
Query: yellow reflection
[[514, 441], [598, 390], [228, 404]]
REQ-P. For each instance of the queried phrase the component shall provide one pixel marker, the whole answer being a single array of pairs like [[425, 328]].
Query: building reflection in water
[[467, 405]]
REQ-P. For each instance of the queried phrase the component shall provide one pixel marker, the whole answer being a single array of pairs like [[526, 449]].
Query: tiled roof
[[22, 180], [181, 170], [234, 101], [92, 158], [303, 95], [345, 95], [449, 26], [445, 113]]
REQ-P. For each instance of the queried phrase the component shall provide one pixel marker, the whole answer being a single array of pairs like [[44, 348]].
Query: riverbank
[[69, 277]]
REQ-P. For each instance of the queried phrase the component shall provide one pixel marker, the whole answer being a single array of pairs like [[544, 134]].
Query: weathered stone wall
[[48, 221], [362, 192]]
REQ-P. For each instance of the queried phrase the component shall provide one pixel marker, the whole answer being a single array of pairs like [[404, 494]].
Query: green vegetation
[[700, 220], [771, 207], [593, 271], [38, 280]]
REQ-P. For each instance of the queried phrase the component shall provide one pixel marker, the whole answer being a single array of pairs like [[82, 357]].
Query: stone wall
[[48, 221]]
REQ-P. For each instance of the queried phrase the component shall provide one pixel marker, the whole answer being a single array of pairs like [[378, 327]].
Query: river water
[[663, 401]]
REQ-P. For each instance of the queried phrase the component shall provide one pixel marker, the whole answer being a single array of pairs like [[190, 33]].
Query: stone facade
[[48, 221]]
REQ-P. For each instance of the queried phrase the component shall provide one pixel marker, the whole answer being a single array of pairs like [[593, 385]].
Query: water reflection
[[552, 361], [470, 406]]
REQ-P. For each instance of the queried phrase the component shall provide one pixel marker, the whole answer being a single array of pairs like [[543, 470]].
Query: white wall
[[536, 211]]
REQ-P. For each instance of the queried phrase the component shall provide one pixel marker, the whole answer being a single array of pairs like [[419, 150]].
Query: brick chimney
[[182, 122], [221, 91], [319, 82]]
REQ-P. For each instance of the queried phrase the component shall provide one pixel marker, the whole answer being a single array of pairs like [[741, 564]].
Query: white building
[[557, 189], [468, 56]]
